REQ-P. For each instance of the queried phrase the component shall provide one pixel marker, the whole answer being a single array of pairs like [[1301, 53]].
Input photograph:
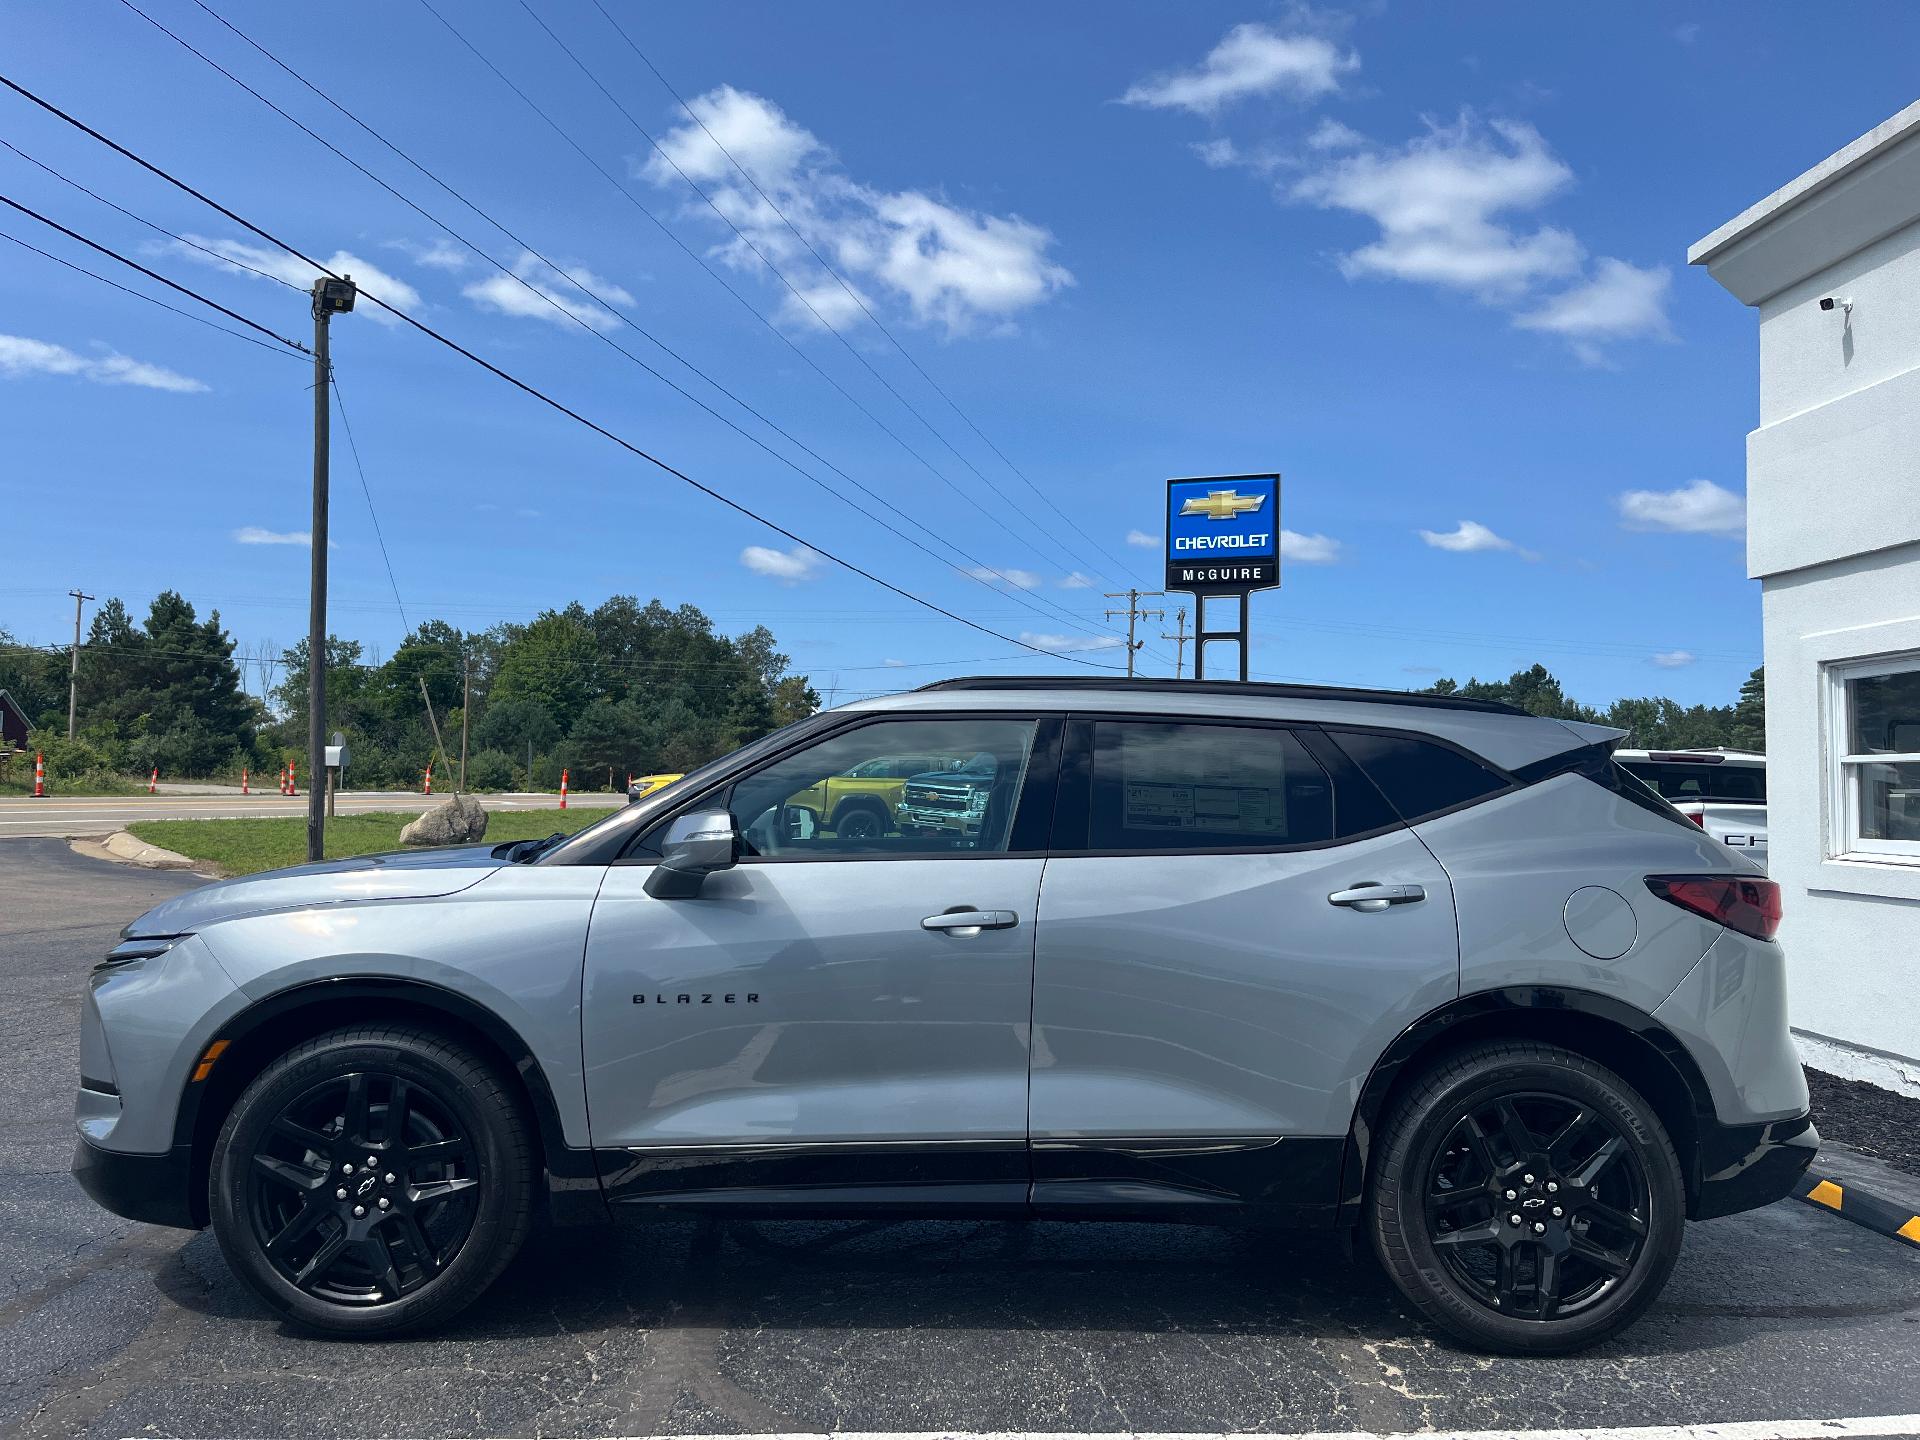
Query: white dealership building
[[1831, 261]]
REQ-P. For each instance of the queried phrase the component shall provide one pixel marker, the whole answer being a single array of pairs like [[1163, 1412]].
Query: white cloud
[[282, 266], [954, 267], [1698, 508], [20, 356], [789, 567], [1042, 640], [892, 664], [1620, 302], [1673, 659], [1437, 200], [443, 255], [1330, 134], [1076, 581], [1308, 549], [1251, 59], [256, 535], [543, 292], [1447, 204], [1219, 153], [1143, 540], [1007, 574], [1471, 537]]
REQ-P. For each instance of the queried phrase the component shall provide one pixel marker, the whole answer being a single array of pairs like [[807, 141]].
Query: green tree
[[550, 662], [1748, 728]]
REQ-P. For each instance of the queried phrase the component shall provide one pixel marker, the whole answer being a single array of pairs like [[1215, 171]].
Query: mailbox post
[[337, 756]]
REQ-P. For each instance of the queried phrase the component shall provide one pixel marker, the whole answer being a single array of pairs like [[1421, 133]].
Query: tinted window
[[1418, 777], [1678, 780], [1193, 787], [846, 794]]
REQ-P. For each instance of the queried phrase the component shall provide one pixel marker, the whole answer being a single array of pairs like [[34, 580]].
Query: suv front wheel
[[1526, 1199], [373, 1180]]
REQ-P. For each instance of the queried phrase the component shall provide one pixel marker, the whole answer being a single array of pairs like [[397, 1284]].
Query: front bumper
[[156, 1189], [1742, 1167]]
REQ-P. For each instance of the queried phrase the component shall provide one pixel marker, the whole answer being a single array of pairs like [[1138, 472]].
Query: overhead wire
[[626, 194], [798, 294], [852, 293], [535, 393], [568, 313]]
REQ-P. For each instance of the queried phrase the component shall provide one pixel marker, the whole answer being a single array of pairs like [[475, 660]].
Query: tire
[[445, 1205], [1518, 1129], [859, 820]]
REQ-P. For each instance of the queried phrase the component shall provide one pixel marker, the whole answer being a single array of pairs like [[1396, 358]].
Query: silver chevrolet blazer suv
[[1430, 970]]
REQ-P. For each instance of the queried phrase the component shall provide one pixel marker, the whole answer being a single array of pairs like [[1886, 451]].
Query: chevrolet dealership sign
[[1223, 534]]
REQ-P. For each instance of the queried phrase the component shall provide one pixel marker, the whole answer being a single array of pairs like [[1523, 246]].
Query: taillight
[[1739, 902], [1699, 817]]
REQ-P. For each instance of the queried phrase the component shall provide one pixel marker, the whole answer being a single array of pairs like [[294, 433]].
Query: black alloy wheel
[[373, 1180], [363, 1189], [1536, 1205], [1526, 1199], [859, 822]]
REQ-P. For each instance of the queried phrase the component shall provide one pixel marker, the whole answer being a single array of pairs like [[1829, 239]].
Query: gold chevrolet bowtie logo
[[1222, 504]]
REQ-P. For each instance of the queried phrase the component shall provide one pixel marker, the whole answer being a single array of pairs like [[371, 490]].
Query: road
[[102, 815], [109, 1328]]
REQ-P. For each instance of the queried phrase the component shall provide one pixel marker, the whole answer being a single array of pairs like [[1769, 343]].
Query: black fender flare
[[573, 1178], [1536, 1009]]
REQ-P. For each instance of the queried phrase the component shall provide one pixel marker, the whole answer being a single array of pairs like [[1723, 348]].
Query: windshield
[[1680, 780]]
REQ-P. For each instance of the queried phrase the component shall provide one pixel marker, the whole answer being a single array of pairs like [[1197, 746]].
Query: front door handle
[[970, 922], [1371, 897]]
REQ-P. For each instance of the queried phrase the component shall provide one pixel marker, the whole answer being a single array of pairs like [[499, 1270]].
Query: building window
[[1874, 707]]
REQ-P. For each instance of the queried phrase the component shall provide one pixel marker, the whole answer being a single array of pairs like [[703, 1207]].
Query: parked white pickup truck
[[1724, 792]]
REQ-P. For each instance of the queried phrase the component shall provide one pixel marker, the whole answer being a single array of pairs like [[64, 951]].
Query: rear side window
[[1170, 786], [1679, 780], [1418, 777]]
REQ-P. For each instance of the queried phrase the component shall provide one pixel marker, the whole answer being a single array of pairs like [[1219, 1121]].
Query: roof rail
[[1253, 689]]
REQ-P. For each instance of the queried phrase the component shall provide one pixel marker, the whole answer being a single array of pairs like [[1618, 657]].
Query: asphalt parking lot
[[112, 1328]]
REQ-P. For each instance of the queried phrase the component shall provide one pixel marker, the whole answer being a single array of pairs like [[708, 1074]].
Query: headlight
[[144, 947]]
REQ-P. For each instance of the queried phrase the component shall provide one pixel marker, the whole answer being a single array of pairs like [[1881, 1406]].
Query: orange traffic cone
[[153, 782], [293, 778], [563, 789], [429, 789], [243, 781], [39, 776]]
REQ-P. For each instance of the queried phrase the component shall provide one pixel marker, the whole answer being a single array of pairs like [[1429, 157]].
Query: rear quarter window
[[1419, 777], [1678, 780]]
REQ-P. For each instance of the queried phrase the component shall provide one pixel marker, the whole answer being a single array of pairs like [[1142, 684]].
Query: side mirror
[[695, 847]]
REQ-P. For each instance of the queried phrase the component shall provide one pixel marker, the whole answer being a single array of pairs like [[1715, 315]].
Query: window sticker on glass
[[1188, 786]]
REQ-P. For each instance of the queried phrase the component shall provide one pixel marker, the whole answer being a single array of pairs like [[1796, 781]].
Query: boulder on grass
[[461, 820]]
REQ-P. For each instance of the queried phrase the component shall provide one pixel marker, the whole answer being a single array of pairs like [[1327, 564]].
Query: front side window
[[895, 787], [1876, 713], [1178, 786]]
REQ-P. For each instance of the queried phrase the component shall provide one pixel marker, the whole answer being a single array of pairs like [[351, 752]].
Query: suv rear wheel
[[372, 1180], [1527, 1200]]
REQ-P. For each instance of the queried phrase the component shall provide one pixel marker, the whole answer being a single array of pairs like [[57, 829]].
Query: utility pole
[[73, 670], [466, 704], [1134, 613], [330, 297], [1179, 638]]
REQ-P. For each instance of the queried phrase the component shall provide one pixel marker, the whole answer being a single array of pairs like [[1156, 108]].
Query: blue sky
[[1427, 262]]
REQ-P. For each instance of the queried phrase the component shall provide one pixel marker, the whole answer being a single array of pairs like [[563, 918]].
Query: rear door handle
[[970, 922], [1377, 897]]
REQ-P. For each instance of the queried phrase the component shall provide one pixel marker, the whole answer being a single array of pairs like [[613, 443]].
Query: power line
[[142, 220], [150, 299], [570, 314], [152, 274], [797, 293], [353, 447], [540, 395], [852, 294], [627, 195]]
